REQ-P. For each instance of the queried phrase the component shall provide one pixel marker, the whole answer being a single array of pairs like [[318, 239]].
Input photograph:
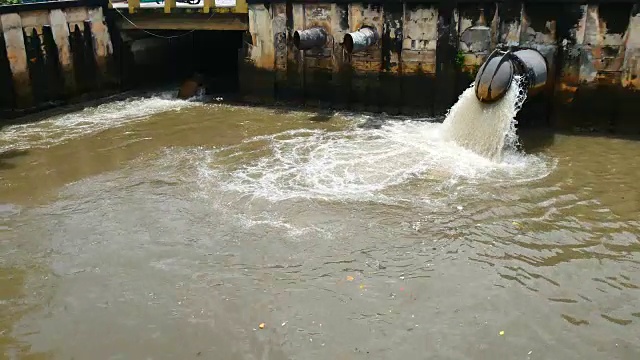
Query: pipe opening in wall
[[495, 76], [315, 37], [348, 43], [360, 40], [296, 39], [153, 61]]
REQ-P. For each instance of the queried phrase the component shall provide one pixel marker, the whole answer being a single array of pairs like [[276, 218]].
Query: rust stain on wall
[[631, 63], [279, 26], [102, 46], [16, 53], [603, 46], [60, 30], [261, 50], [339, 28]]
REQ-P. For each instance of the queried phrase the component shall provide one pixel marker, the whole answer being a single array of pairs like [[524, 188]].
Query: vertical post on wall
[[206, 6], [241, 7], [133, 5], [17, 55], [6, 84], [168, 5], [60, 32]]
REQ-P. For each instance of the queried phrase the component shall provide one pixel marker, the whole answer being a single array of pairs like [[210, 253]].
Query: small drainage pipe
[[360, 40], [311, 38]]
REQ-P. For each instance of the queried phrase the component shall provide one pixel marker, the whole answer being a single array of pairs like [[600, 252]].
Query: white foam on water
[[91, 120], [486, 129], [476, 144]]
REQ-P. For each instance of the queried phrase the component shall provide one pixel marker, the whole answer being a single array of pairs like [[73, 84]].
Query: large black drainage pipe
[[495, 76]]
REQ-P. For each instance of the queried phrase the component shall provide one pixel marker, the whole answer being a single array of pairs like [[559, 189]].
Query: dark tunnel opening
[[149, 61]]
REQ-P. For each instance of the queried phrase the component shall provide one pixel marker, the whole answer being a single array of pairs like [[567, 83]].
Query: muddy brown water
[[154, 228]]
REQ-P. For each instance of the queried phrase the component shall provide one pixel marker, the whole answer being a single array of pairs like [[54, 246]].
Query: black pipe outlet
[[495, 76]]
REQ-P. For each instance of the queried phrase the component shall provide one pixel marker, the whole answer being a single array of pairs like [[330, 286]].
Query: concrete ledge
[[234, 22]]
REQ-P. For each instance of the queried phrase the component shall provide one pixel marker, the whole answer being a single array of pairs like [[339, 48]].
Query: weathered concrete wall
[[17, 56], [429, 52], [53, 55]]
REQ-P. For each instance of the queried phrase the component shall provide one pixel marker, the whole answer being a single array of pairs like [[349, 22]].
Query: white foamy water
[[486, 129], [359, 164], [90, 120], [476, 144]]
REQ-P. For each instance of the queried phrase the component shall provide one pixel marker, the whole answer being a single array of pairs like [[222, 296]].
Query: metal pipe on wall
[[311, 38], [360, 40], [495, 76]]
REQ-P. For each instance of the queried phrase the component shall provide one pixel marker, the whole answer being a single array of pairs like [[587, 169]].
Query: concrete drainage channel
[[408, 58]]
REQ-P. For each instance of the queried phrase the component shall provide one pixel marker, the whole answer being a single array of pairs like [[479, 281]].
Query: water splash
[[486, 129], [90, 120], [476, 145], [361, 165]]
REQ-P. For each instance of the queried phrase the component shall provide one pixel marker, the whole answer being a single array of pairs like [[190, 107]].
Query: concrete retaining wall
[[52, 54], [429, 52]]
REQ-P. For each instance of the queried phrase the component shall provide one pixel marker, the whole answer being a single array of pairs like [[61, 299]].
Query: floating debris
[[261, 326], [349, 278], [501, 332]]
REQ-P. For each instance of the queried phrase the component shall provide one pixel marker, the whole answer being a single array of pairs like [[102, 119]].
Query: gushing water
[[486, 129]]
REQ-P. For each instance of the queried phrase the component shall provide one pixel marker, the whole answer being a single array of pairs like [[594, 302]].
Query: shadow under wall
[[84, 64], [44, 66], [174, 56], [7, 96]]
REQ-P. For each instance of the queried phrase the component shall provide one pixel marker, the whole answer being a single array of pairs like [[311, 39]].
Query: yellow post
[[207, 6], [241, 7], [168, 5], [133, 5]]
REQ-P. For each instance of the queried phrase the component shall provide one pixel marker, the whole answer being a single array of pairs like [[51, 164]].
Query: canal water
[[155, 228]]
